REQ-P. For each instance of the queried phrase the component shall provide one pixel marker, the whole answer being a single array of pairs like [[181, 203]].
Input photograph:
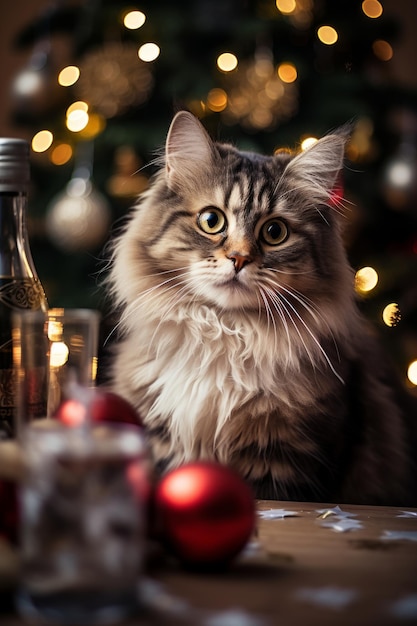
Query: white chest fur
[[201, 371]]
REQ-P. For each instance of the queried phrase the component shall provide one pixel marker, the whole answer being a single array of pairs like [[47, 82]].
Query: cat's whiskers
[[314, 338], [277, 305], [134, 306], [171, 303], [281, 303], [310, 307], [270, 316]]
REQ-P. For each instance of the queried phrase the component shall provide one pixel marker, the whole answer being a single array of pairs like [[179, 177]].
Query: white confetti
[[336, 511], [330, 597], [406, 607], [252, 548], [408, 514], [408, 535], [276, 514], [343, 525]]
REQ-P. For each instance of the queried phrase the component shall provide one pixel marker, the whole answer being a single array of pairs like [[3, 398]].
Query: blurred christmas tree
[[103, 80]]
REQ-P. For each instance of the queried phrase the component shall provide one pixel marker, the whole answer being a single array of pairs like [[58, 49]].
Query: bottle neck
[[15, 257]]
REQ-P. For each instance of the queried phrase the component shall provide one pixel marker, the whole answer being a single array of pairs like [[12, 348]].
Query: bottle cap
[[14, 164]]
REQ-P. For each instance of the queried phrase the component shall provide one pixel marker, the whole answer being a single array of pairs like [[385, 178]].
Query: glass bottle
[[20, 287]]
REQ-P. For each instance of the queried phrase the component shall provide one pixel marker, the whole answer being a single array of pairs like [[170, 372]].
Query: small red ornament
[[204, 512], [100, 404]]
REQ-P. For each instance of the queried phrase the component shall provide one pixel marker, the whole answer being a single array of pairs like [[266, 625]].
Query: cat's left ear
[[319, 165], [188, 150]]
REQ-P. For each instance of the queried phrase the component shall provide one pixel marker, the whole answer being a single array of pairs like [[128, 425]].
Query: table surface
[[297, 571]]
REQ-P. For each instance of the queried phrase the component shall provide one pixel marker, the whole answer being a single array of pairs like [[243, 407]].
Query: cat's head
[[238, 230]]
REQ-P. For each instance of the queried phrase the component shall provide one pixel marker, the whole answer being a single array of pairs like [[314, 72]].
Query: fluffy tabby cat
[[240, 337]]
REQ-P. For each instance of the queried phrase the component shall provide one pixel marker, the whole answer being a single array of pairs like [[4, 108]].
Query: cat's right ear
[[188, 150]]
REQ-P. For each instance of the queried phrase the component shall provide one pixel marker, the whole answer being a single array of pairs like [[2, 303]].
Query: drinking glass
[[51, 351], [82, 520]]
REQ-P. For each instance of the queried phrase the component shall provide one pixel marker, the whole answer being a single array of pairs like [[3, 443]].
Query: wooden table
[[297, 572]]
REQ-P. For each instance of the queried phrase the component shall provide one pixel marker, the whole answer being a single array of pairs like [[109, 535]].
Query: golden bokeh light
[[134, 20], [227, 62], [383, 50], [287, 72], [308, 142], [149, 52], [61, 154], [372, 8], [217, 99], [77, 116], [59, 354], [77, 106], [95, 125], [77, 121], [366, 279], [286, 6], [68, 75], [391, 314], [327, 35], [412, 372], [42, 141]]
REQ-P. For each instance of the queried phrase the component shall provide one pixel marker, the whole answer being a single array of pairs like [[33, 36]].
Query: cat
[[240, 338]]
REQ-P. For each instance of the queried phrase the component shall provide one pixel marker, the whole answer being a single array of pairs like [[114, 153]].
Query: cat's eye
[[212, 221], [274, 232]]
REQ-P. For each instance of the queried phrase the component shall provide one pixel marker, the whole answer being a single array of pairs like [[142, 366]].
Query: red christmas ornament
[[100, 405], [205, 513]]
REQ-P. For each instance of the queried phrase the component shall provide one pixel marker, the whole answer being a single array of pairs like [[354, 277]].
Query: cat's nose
[[239, 260]]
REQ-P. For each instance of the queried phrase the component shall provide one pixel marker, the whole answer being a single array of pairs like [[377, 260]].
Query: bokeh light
[[412, 372], [286, 6], [382, 50], [366, 279], [77, 116], [391, 314], [287, 72], [217, 99], [372, 8], [68, 75], [95, 125], [308, 142], [327, 35], [134, 20], [61, 154], [227, 62], [42, 141], [149, 52], [58, 354]]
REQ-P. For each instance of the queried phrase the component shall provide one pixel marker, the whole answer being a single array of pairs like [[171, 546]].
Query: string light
[[42, 141], [382, 49], [58, 354], [286, 6], [412, 372], [372, 8], [308, 142], [287, 72], [227, 62], [217, 99], [134, 20], [149, 52], [77, 116], [391, 314], [95, 125], [327, 35], [68, 75], [366, 279], [61, 154]]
